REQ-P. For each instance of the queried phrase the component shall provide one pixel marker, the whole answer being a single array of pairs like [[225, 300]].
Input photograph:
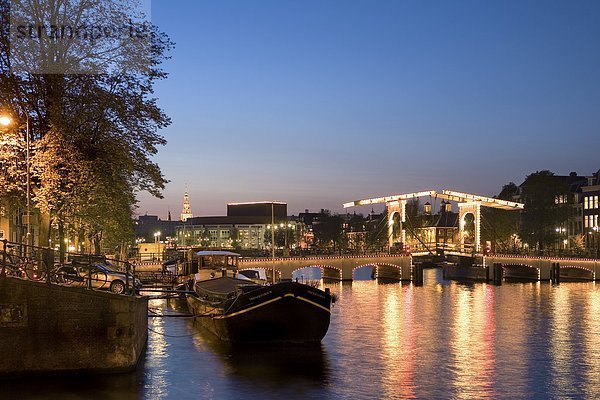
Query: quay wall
[[53, 329]]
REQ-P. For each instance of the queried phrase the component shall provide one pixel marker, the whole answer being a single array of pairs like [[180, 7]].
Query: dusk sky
[[317, 103]]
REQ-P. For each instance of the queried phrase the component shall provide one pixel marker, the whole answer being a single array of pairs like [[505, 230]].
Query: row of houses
[[577, 199]]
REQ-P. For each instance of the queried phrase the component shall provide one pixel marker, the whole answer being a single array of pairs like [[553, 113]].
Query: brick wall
[[55, 329]]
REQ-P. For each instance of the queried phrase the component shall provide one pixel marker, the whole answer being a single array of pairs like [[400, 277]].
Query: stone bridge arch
[[371, 265], [521, 272], [328, 272], [389, 271], [576, 273]]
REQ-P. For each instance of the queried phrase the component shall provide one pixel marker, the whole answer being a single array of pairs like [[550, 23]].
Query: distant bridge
[[544, 268], [398, 267], [498, 267]]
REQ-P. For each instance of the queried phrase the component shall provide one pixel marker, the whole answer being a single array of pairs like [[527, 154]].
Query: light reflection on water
[[441, 340]]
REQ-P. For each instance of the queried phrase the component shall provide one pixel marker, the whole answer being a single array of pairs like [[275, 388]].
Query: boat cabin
[[216, 263]]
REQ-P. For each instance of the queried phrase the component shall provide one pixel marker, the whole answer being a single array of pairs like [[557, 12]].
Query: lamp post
[[6, 120], [273, 238], [28, 182]]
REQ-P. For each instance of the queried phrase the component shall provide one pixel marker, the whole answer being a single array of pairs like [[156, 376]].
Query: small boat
[[237, 309]]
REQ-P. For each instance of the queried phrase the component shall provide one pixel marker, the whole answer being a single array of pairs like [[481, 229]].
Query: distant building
[[150, 228], [590, 212], [186, 212], [441, 229], [244, 226], [571, 227], [306, 222]]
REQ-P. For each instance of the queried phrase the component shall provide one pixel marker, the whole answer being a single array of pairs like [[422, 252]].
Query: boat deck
[[223, 285]]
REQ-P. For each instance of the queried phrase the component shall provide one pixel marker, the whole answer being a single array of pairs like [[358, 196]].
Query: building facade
[[590, 212], [246, 226]]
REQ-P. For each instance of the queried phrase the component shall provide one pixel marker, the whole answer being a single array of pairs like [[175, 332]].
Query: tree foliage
[[285, 237], [542, 214], [328, 231], [500, 227], [377, 232], [93, 135]]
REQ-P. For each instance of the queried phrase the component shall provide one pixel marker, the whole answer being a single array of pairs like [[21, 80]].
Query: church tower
[[187, 211]]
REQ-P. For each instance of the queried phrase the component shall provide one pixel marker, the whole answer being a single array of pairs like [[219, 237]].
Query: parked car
[[100, 275]]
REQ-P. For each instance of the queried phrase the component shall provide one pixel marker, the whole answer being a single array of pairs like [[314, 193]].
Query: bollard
[[418, 274], [4, 244], [127, 276], [134, 275], [498, 274], [557, 274], [89, 270], [487, 273], [48, 258]]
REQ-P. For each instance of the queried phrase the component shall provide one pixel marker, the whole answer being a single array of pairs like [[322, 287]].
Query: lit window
[[595, 201], [585, 203], [586, 221], [596, 221]]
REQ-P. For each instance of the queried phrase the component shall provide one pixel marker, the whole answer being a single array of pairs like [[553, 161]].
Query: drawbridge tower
[[469, 206]]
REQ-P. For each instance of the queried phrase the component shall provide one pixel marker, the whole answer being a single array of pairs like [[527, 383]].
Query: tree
[[234, 235], [542, 213], [285, 237], [377, 233], [356, 223], [205, 237], [92, 116], [500, 227], [328, 231]]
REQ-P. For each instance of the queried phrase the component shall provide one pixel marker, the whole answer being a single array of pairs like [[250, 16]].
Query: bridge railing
[[321, 257], [49, 265], [562, 253], [441, 248]]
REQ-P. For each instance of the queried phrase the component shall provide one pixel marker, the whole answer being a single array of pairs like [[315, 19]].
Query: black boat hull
[[286, 312]]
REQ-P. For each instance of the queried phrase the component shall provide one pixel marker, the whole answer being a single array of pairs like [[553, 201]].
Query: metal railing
[[41, 264]]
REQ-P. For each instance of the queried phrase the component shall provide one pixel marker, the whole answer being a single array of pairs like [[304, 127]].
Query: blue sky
[[320, 102]]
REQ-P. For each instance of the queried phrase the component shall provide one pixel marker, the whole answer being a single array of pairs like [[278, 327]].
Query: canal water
[[386, 341]]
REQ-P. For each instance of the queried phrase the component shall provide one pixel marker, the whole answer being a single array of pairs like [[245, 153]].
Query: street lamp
[[5, 120], [156, 237]]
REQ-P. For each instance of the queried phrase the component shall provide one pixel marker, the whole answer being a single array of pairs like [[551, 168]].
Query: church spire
[[187, 211]]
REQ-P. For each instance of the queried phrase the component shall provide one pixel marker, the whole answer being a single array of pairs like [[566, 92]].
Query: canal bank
[[54, 329]]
